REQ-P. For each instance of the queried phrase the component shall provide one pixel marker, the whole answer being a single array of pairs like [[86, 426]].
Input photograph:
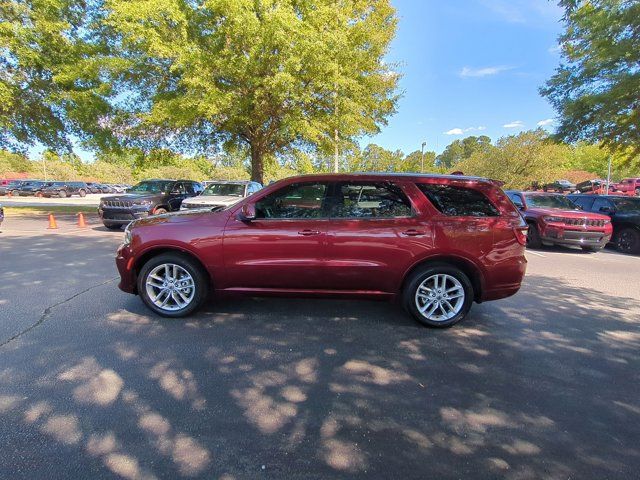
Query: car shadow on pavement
[[542, 385]]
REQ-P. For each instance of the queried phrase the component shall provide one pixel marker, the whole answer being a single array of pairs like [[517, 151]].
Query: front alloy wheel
[[172, 285], [439, 295]]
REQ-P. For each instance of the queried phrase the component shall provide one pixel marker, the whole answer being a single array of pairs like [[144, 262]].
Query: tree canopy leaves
[[596, 90]]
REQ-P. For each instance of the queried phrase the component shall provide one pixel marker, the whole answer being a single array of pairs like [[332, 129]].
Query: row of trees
[[519, 160]]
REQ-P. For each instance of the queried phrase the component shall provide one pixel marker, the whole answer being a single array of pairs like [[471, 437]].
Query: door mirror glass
[[247, 212]]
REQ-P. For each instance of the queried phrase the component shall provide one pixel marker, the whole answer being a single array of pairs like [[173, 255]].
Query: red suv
[[553, 219], [436, 243], [630, 186]]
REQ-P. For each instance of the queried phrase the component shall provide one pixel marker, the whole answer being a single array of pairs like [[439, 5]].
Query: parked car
[[553, 219], [93, 187], [596, 186], [221, 194], [12, 187], [1, 214], [624, 212], [560, 186], [65, 189], [437, 243], [32, 188], [629, 186], [118, 188], [150, 197]]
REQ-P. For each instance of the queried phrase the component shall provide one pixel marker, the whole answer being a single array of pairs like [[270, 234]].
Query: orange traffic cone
[[81, 223], [52, 222]]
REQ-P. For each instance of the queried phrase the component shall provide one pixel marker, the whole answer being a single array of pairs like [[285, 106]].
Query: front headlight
[[127, 235]]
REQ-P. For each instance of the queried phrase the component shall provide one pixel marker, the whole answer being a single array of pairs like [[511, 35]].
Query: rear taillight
[[521, 234]]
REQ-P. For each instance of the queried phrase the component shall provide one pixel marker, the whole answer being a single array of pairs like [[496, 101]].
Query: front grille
[[583, 222], [117, 204]]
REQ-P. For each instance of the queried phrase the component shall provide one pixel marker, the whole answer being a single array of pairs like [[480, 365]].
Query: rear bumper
[[125, 264], [576, 238]]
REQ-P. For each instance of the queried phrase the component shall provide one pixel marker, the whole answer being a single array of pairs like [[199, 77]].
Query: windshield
[[225, 189], [627, 204], [550, 201], [152, 187]]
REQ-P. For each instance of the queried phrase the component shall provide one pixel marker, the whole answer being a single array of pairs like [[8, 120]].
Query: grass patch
[[18, 211]]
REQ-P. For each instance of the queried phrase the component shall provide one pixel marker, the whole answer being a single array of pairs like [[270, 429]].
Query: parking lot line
[[536, 253]]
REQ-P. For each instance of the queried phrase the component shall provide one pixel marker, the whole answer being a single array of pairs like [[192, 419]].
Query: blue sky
[[470, 67]]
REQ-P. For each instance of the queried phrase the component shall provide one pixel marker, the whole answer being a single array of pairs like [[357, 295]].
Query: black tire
[[113, 226], [199, 276], [628, 241], [82, 193], [533, 237], [159, 211], [410, 293], [62, 194]]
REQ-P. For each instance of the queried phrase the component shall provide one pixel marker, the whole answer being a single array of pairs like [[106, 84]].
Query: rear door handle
[[413, 233], [308, 233]]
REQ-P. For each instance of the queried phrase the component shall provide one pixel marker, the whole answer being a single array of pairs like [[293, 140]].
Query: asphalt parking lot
[[545, 384]]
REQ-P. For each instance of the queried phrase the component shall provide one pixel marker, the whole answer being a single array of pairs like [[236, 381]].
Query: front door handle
[[413, 233], [308, 233]]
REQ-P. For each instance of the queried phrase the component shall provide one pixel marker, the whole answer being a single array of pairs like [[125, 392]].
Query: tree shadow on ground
[[542, 385]]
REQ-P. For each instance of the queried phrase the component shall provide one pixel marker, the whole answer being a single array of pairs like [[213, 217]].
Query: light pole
[[608, 177], [424, 144]]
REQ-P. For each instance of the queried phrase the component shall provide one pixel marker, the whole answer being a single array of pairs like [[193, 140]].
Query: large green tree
[[268, 74], [50, 87], [596, 89], [519, 160], [459, 150]]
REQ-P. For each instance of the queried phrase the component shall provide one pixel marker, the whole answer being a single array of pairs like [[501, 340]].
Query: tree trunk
[[257, 165]]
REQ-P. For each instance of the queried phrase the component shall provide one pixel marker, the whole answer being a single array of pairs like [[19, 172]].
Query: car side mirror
[[247, 212]]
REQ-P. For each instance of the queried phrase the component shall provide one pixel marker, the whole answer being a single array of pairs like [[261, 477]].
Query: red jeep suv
[[553, 219], [436, 243]]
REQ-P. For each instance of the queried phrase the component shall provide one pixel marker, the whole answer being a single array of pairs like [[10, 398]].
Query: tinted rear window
[[459, 201]]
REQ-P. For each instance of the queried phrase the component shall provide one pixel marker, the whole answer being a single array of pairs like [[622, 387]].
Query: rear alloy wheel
[[15, 193], [82, 193], [438, 296], [628, 241], [62, 194], [172, 285], [533, 237]]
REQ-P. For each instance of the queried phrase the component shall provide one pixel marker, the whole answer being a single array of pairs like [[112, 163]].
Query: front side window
[[457, 201], [601, 203], [515, 198], [370, 200], [295, 201], [585, 202]]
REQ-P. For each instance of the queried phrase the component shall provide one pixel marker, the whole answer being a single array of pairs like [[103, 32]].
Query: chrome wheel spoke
[[170, 287], [440, 297]]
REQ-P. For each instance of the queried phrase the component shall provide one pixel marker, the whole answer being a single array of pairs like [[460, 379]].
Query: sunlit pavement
[[543, 385]]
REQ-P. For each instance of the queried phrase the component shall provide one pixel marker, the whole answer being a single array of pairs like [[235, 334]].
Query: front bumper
[[577, 238], [119, 216], [125, 264]]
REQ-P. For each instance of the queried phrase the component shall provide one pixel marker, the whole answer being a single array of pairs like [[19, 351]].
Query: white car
[[221, 194]]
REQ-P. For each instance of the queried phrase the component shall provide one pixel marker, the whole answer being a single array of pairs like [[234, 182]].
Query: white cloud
[[514, 124], [546, 123], [483, 71], [508, 10], [460, 131]]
